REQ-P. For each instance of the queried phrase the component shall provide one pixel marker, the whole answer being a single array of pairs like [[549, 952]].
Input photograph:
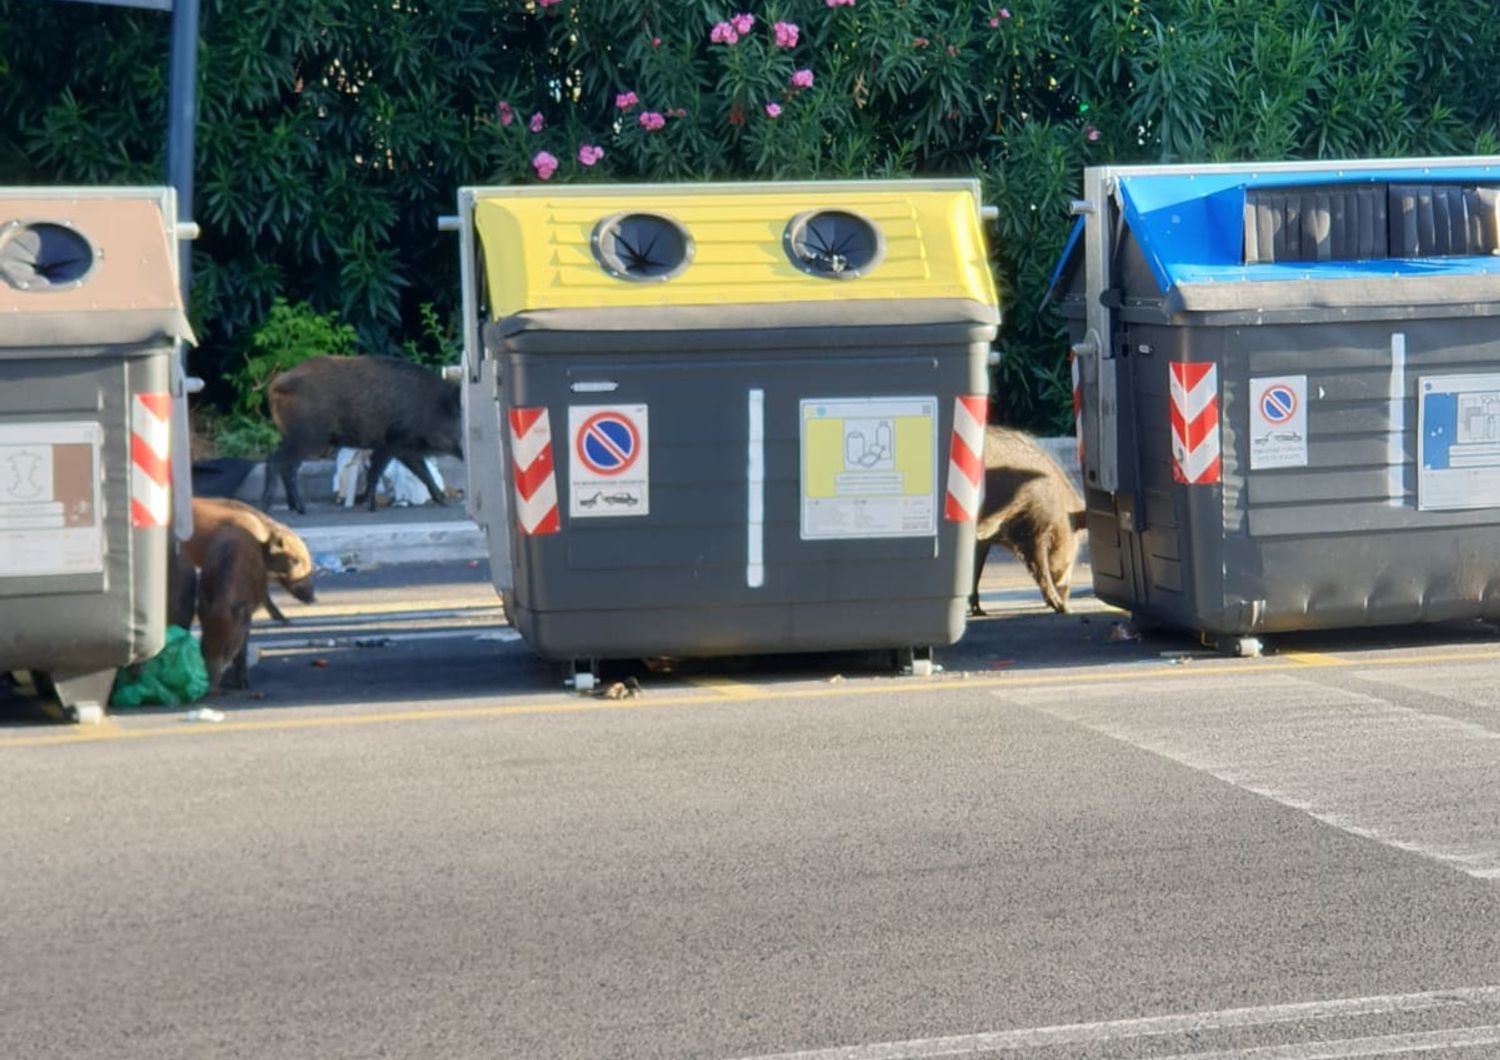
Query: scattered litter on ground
[[629, 688], [208, 714], [255, 695], [373, 642], [502, 635], [330, 563], [173, 677], [1002, 664], [836, 679], [473, 564], [661, 664], [322, 642], [1123, 631], [320, 664]]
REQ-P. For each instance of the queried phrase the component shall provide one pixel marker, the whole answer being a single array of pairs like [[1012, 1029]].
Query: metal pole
[[182, 120]]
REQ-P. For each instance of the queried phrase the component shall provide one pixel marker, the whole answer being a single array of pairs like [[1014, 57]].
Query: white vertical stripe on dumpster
[[150, 461], [1395, 453], [755, 479]]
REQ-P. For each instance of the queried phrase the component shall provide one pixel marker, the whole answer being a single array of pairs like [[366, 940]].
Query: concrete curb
[[389, 543], [395, 543]]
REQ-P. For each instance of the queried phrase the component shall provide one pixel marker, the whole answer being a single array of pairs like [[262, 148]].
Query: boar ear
[[1079, 520]]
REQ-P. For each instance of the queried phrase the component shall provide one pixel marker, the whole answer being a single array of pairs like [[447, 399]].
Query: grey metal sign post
[[182, 121]]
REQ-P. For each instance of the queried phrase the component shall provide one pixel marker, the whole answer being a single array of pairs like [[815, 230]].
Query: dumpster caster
[[915, 661], [585, 675], [81, 696], [1241, 647]]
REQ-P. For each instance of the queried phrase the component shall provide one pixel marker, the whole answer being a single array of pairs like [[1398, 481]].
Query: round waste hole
[[43, 256], [642, 247], [833, 244]]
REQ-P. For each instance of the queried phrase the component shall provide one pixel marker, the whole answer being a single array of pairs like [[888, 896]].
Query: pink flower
[[786, 34], [802, 79], [1091, 134], [920, 42], [656, 42], [742, 23], [840, 3], [537, 122], [588, 154], [547, 3], [545, 165], [723, 33], [1004, 12], [994, 23], [773, 110], [626, 100], [506, 114], [651, 121]]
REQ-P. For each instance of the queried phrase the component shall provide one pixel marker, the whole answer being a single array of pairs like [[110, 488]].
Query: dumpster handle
[[187, 230], [448, 223], [989, 213]]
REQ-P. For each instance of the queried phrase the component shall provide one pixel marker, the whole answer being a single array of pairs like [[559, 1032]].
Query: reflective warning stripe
[[150, 461], [535, 477], [966, 460], [1195, 424]]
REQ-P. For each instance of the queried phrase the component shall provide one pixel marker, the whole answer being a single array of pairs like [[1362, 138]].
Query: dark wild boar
[[396, 409], [231, 587], [1030, 507], [286, 557]]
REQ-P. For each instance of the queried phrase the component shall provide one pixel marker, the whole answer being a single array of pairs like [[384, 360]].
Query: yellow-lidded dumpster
[[89, 315], [727, 419]]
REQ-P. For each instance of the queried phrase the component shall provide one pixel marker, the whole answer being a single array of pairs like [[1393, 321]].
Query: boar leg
[[418, 466], [380, 459], [283, 463], [981, 553], [1039, 562], [275, 612]]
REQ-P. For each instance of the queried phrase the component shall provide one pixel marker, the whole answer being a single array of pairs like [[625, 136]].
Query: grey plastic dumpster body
[[715, 546], [1290, 382], [91, 312]]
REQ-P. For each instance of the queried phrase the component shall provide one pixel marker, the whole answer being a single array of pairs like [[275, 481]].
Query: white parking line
[[1204, 1022]]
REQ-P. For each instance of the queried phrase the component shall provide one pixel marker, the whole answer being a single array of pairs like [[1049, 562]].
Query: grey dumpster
[[1290, 381], [721, 419], [91, 312]]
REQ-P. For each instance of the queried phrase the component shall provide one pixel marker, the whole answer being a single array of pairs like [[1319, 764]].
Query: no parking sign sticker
[[1278, 422], [608, 461]]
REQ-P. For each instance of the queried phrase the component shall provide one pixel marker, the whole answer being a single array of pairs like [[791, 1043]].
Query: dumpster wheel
[[915, 661], [583, 675], [1240, 647]]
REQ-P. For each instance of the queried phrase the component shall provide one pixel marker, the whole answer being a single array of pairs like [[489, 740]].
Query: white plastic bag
[[404, 488]]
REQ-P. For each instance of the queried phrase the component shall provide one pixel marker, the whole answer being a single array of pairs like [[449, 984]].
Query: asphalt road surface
[[410, 841]]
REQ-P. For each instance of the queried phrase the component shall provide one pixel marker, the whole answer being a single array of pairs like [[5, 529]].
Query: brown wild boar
[[286, 557], [1031, 507], [231, 587], [182, 589], [396, 409]]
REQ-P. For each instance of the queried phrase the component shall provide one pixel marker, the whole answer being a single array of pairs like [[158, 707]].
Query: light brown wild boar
[[396, 409], [287, 559], [231, 587], [1031, 507]]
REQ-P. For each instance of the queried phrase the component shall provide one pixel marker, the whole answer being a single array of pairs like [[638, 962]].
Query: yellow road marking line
[[727, 688], [1315, 658], [350, 611], [656, 699]]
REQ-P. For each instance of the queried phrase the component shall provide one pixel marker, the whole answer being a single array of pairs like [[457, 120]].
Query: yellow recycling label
[[869, 467]]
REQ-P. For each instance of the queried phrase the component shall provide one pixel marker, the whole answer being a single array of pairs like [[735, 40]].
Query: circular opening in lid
[[43, 256], [833, 244], [643, 247]]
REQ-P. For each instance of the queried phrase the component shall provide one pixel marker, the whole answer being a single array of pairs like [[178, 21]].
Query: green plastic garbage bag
[[173, 676]]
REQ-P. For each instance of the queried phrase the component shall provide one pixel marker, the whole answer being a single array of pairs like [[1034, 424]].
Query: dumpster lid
[[88, 267], [642, 246], [1298, 234]]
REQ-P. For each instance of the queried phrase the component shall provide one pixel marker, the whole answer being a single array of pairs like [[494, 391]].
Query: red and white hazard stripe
[[966, 460], [1077, 404], [150, 461], [1195, 424], [536, 481]]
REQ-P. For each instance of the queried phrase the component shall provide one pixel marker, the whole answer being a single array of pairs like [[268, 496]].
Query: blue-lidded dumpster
[[1290, 380]]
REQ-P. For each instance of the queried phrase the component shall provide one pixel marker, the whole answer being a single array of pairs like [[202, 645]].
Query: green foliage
[[289, 335], [439, 343], [333, 133]]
